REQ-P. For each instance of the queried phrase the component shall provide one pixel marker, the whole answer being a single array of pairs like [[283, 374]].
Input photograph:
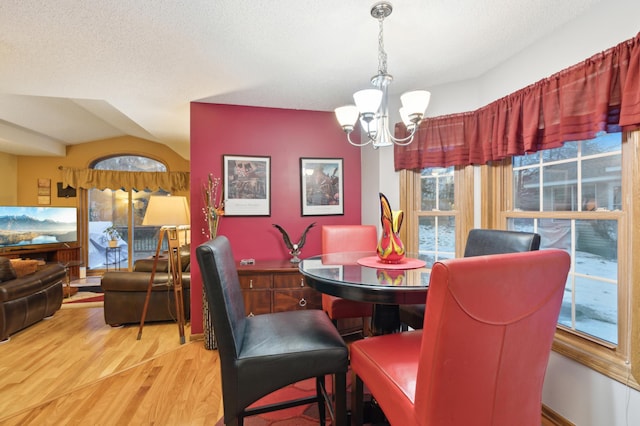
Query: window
[[574, 197], [438, 225], [124, 210], [576, 185]]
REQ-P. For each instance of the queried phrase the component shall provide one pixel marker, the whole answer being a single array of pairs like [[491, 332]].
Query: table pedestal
[[385, 319]]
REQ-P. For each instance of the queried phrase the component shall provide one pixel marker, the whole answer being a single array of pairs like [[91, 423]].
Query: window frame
[[620, 362]]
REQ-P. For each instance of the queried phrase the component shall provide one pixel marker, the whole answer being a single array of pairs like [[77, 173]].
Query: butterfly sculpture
[[294, 249], [390, 247]]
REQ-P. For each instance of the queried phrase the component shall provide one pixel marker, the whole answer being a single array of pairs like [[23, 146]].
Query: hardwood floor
[[73, 369]]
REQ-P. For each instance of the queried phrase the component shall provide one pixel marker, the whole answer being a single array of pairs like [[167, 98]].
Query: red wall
[[285, 136]]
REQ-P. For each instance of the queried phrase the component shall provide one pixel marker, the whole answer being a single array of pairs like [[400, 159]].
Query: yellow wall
[[30, 169], [9, 179]]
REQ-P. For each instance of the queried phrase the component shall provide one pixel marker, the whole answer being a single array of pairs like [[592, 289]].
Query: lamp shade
[[347, 115], [415, 102], [167, 210], [368, 100]]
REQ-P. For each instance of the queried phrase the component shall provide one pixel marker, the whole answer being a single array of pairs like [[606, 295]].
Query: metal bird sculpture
[[294, 249]]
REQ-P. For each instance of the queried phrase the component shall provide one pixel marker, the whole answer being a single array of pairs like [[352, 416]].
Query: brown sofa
[[125, 292], [29, 298]]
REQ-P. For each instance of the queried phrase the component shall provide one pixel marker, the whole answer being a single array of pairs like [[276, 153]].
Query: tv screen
[[22, 227]]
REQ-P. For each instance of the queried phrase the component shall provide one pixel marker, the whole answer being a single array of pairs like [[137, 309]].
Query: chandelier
[[371, 105]]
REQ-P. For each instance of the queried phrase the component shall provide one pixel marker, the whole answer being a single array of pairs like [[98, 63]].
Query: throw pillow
[[24, 267], [7, 273]]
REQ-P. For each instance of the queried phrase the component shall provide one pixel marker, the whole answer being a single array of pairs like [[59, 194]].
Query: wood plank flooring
[[73, 369]]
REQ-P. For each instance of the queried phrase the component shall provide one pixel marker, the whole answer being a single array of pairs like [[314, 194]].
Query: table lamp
[[171, 213]]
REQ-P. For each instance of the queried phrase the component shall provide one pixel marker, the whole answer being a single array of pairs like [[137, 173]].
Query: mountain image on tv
[[22, 226]]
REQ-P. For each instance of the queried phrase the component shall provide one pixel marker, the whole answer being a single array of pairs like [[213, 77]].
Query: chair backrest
[[481, 242], [343, 238], [226, 305], [489, 325]]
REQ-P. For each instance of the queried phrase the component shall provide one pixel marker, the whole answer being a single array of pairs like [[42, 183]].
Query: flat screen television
[[29, 227]]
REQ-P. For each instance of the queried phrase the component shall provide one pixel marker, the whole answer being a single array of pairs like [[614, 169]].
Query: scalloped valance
[[111, 179]]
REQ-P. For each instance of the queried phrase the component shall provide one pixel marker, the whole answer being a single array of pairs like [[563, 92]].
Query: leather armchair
[[482, 355], [125, 292], [343, 238], [479, 242], [263, 353]]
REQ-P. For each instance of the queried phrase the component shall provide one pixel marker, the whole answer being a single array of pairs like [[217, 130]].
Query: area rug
[[83, 299], [302, 415], [306, 414]]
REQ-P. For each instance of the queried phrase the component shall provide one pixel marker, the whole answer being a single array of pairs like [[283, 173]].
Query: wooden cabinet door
[[257, 302]]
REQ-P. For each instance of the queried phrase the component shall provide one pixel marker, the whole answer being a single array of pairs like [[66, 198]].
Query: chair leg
[[340, 380], [357, 406], [321, 402]]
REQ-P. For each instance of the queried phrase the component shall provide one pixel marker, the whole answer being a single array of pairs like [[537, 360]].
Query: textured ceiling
[[77, 71]]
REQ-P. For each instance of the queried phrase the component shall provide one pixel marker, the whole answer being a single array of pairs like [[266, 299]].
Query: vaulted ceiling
[[78, 71]]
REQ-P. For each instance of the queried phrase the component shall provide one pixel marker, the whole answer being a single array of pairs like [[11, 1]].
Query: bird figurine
[[294, 249]]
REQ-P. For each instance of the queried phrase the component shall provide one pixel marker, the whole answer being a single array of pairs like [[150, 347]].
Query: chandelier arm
[[358, 144], [401, 141]]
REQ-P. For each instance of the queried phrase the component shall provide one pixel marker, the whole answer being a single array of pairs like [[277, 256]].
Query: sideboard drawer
[[255, 281], [292, 300], [292, 281]]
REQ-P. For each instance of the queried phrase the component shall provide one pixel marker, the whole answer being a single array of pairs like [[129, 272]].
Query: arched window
[[116, 235]]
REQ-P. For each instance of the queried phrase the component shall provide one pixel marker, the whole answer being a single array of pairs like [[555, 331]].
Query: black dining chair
[[480, 242], [263, 353]]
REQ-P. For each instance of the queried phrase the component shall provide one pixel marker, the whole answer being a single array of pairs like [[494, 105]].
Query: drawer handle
[[251, 284], [301, 282], [302, 303]]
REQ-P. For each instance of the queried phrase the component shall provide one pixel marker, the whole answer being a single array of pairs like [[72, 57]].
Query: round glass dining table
[[361, 276]]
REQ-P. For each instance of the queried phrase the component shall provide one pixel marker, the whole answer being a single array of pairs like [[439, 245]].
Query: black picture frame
[[321, 186], [247, 185]]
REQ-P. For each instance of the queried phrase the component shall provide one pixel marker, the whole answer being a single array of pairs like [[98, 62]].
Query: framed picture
[[44, 191], [321, 186], [247, 185]]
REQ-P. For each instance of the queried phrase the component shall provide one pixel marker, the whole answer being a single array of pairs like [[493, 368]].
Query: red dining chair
[[343, 238], [482, 354]]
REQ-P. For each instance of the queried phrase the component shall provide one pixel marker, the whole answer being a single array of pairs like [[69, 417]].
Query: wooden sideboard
[[275, 286]]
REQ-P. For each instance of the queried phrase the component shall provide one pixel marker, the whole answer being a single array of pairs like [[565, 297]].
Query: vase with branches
[[213, 211], [213, 205]]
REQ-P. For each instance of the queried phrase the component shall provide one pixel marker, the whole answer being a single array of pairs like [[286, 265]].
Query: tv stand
[[61, 254]]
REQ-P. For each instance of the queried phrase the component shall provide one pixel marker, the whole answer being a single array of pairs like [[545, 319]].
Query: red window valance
[[600, 94]]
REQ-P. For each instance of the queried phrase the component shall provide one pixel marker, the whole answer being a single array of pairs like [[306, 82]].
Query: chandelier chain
[[382, 55]]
